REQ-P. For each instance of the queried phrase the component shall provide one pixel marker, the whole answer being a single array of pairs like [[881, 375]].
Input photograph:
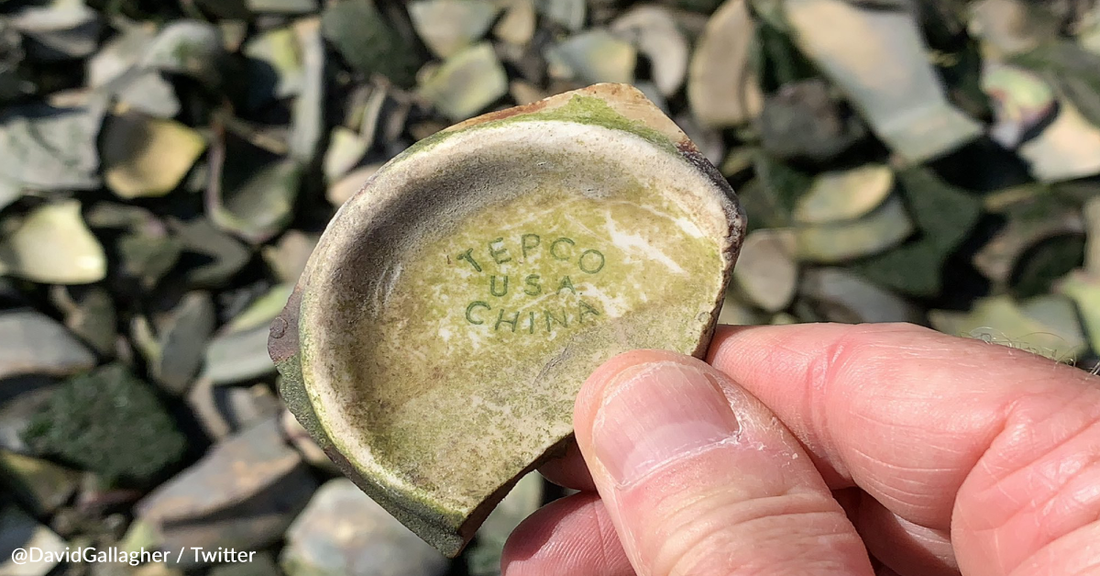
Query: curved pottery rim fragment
[[427, 249]]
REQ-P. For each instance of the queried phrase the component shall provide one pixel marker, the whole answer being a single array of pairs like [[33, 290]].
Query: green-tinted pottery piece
[[144, 156], [723, 87], [593, 56], [237, 353], [1045, 325], [437, 339], [1022, 100], [840, 296], [40, 485], [1084, 290], [466, 83], [1009, 27], [53, 245], [275, 65], [653, 31], [448, 26], [844, 195], [567, 13], [839, 241], [1092, 232], [1066, 149], [1002, 255], [766, 272], [517, 25], [943, 215], [886, 73]]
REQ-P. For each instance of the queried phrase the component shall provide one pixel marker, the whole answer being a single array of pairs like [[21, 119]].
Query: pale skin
[[825, 449]]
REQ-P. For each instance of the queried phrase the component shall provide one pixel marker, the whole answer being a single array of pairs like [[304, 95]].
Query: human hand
[[806, 448]]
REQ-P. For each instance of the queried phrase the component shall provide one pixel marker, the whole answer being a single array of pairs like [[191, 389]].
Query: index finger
[[998, 446]]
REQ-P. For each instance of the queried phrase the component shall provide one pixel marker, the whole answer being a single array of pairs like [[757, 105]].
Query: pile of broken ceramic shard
[[166, 169]]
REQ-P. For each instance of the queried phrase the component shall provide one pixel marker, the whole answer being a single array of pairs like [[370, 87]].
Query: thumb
[[700, 478]]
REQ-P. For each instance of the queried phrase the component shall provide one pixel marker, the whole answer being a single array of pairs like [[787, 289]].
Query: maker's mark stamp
[[532, 283]]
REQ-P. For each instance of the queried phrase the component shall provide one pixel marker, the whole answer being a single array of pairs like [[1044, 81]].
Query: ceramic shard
[[723, 88], [653, 31], [466, 83], [844, 195], [593, 56], [448, 26], [767, 274], [437, 338], [886, 73], [53, 245], [1068, 148]]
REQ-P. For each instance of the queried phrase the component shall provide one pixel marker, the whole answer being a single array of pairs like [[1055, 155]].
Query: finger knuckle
[[752, 537]]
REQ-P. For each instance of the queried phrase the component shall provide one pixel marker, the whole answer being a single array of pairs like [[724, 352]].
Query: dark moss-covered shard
[[110, 423], [449, 314]]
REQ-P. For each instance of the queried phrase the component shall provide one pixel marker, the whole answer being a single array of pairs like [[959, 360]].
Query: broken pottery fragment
[[60, 30], [368, 41], [1092, 232], [239, 352], [652, 29], [802, 122], [224, 410], [844, 195], [766, 272], [841, 296], [345, 149], [89, 313], [53, 245], [943, 216], [1008, 27], [212, 256], [49, 148], [287, 257], [568, 13], [723, 87], [40, 485], [1000, 256], [181, 342], [282, 6], [307, 125], [466, 83], [593, 56], [882, 228], [342, 531], [886, 73], [347, 186], [1068, 148], [144, 156], [255, 203], [1021, 101], [439, 334], [1084, 289], [187, 47], [517, 25], [1045, 325], [243, 494], [19, 531], [33, 343], [275, 68], [448, 26]]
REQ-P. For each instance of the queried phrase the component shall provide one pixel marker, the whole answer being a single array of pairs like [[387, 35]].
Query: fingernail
[[658, 414]]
